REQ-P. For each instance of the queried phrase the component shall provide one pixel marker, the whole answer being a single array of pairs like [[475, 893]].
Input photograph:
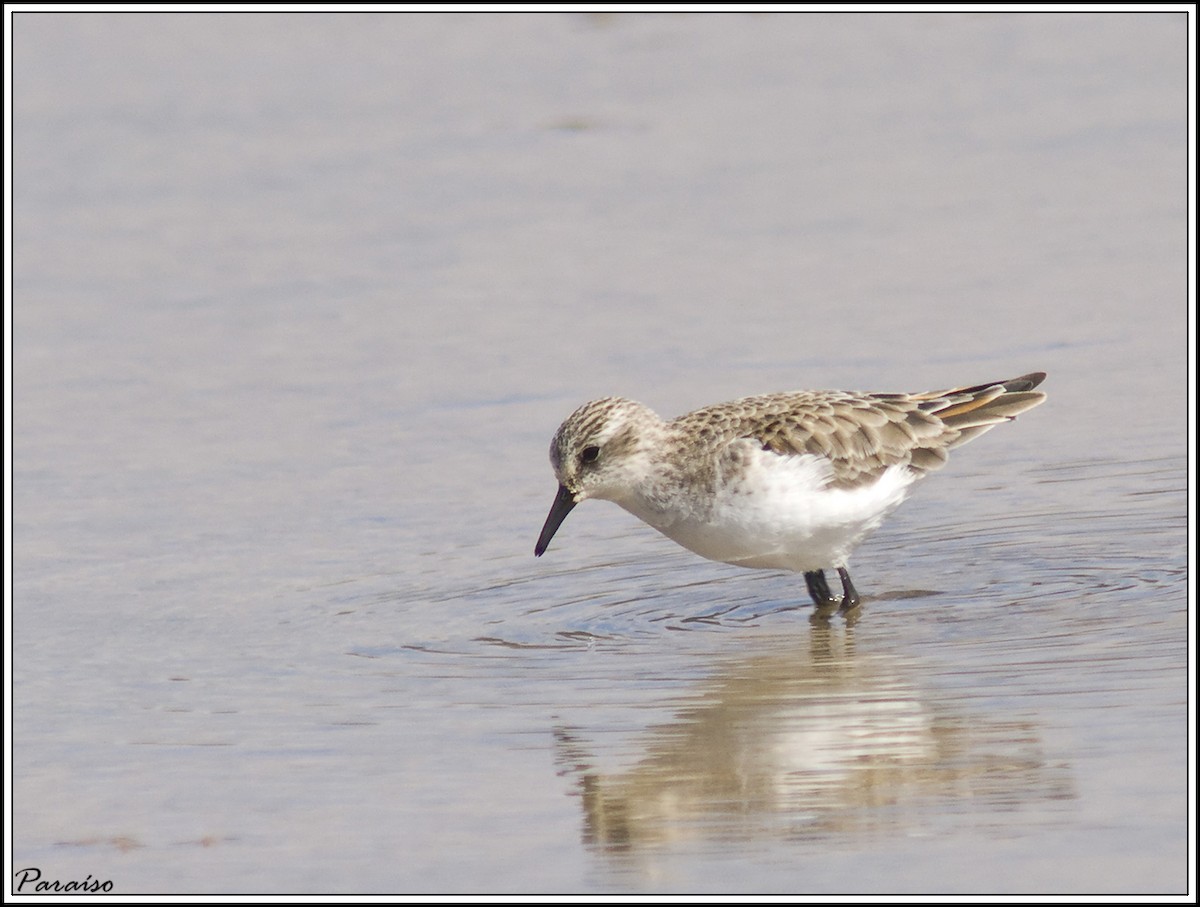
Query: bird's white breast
[[775, 511]]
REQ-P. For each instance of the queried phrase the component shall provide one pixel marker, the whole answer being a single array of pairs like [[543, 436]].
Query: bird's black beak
[[562, 505]]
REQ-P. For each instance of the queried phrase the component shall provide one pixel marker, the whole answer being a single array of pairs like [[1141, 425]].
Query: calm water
[[299, 301]]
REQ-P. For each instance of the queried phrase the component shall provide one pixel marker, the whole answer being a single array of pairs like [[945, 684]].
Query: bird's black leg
[[819, 589], [850, 597]]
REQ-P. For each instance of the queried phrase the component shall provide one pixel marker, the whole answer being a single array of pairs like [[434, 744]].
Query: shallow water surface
[[300, 300]]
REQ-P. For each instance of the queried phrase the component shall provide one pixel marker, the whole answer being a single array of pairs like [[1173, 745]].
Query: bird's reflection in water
[[807, 745]]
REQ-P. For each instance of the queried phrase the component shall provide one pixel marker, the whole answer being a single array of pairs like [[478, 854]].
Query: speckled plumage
[[790, 480]]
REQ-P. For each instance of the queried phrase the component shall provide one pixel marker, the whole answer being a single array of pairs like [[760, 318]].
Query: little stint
[[790, 481]]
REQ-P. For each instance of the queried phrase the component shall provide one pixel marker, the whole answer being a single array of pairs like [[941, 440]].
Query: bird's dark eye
[[589, 454]]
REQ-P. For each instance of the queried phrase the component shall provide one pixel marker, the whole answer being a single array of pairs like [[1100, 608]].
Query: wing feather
[[862, 435]]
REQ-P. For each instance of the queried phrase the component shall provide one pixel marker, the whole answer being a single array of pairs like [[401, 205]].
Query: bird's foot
[[823, 600]]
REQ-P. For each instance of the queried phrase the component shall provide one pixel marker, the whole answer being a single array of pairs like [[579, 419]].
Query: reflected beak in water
[[562, 505]]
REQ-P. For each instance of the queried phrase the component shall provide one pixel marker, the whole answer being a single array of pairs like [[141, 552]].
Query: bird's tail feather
[[973, 410]]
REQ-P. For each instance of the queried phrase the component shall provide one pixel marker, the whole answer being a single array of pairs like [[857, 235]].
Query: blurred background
[[299, 300]]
